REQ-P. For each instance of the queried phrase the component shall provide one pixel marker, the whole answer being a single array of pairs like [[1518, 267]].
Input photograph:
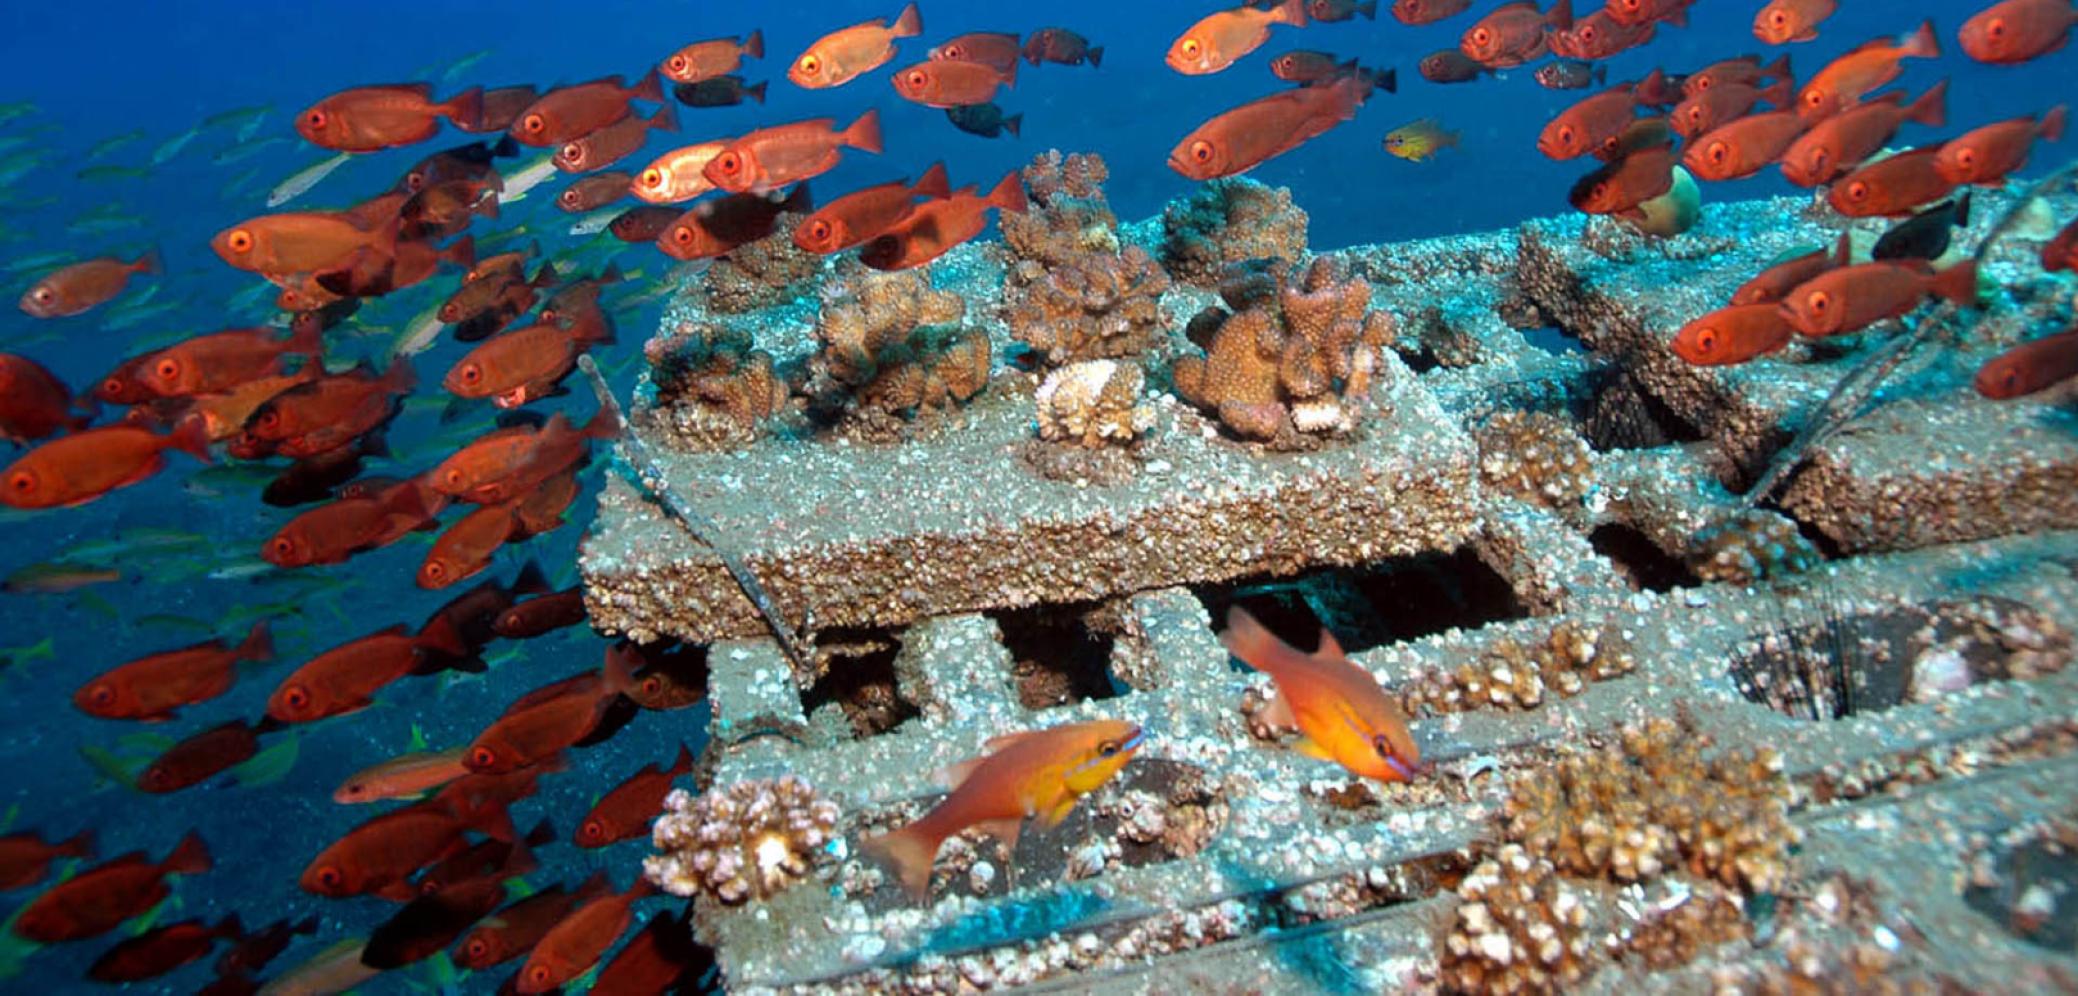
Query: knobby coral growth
[[1294, 358], [1518, 929], [761, 274], [1226, 222], [1537, 457], [1514, 676], [1749, 546], [749, 841], [1093, 402], [890, 345], [713, 388], [1067, 215]]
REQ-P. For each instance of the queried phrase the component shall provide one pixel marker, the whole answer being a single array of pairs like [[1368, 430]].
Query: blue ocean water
[[96, 71]]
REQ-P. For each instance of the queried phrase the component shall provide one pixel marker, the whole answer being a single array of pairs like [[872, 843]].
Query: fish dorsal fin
[[1004, 741], [1331, 649], [952, 776]]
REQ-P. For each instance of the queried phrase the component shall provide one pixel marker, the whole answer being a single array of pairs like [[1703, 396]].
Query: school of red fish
[[255, 394]]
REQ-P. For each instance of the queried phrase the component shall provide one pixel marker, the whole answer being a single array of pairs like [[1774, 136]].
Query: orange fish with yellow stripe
[[1338, 707]]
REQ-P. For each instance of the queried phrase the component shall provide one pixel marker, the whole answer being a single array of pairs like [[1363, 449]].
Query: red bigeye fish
[[380, 855], [1893, 187], [1599, 36], [1700, 114], [25, 858], [152, 688], [862, 214], [520, 926], [199, 758], [1637, 12], [1304, 66], [771, 158], [33, 402], [2018, 30], [465, 549], [572, 112], [214, 364], [99, 899], [535, 732], [1062, 47], [1621, 185], [530, 359], [680, 174], [1845, 140], [1733, 335], [842, 55], [1745, 69], [162, 949], [2030, 367], [1450, 66], [371, 118], [338, 529], [575, 944], [716, 227], [1036, 773], [934, 227], [82, 286], [663, 955], [326, 413], [1742, 147], [1212, 44], [1515, 33], [944, 83], [76, 469], [626, 811], [1241, 139], [345, 678], [544, 614], [501, 107], [1338, 707], [1332, 11], [2061, 252], [1428, 11], [1588, 124], [1772, 283], [506, 463], [302, 242], [594, 192], [706, 60], [989, 48], [1986, 155], [1851, 298], [1785, 21], [401, 777], [1874, 64], [613, 143]]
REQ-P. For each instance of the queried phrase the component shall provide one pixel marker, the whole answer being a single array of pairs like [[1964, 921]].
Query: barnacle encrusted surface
[[1519, 928], [713, 388], [1514, 675], [1536, 456], [1750, 546], [1288, 364], [1067, 216], [889, 345], [747, 841], [1226, 222], [760, 274]]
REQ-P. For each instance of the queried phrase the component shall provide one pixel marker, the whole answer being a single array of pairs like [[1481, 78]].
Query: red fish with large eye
[[501, 107], [338, 529], [533, 358], [613, 143], [577, 943], [1633, 13], [506, 463], [1851, 298], [1598, 36], [2061, 252], [1220, 38], [199, 758], [543, 614], [1515, 34], [220, 362], [1733, 335], [25, 857], [1771, 284], [2016, 31], [99, 899], [1334, 11], [1236, 141], [1742, 147], [1428, 11], [934, 227], [520, 926], [325, 414], [535, 732], [706, 60], [1785, 21], [302, 242], [842, 55], [946, 83], [372, 118], [2029, 367], [152, 688], [1704, 112], [1745, 69], [345, 678], [1589, 123], [1873, 65], [575, 111], [1849, 138], [162, 949], [1986, 155], [996, 49], [380, 855], [1621, 185], [83, 286], [626, 811], [717, 227], [76, 469], [33, 402], [1892, 187], [1450, 66], [1062, 47], [771, 158], [594, 192], [862, 214]]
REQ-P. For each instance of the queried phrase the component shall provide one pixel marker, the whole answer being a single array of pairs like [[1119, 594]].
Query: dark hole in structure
[[2030, 896], [1554, 340], [858, 675], [1623, 415], [1826, 545], [1056, 657], [1420, 361], [1639, 559], [1402, 599]]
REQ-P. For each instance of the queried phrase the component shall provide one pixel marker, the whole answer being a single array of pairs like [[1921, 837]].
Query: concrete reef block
[[751, 689]]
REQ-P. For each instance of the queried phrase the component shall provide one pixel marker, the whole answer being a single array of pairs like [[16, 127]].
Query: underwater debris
[[751, 840], [1518, 929], [713, 388], [1511, 675], [1288, 364], [1749, 547], [759, 274], [1537, 457], [1230, 221], [1066, 216], [1093, 402], [889, 345]]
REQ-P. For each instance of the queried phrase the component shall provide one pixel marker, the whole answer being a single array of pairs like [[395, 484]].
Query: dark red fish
[[537, 616], [76, 469], [2013, 31], [594, 192], [1450, 66], [380, 855], [336, 530], [220, 362], [644, 223], [2030, 367], [25, 858], [429, 923], [84, 285], [162, 949], [152, 688], [572, 112], [518, 927], [33, 402], [1060, 45], [716, 227], [1772, 283], [370, 118], [1599, 36], [1733, 335], [1851, 298], [934, 227], [1892, 187], [99, 899], [1845, 140], [538, 731], [577, 943], [200, 757], [345, 678], [627, 811], [1515, 33], [1984, 156]]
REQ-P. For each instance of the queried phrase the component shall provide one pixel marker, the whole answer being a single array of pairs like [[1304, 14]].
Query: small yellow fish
[[1344, 716], [1417, 141]]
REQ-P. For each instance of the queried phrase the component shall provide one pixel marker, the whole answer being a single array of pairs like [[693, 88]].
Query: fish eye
[[1718, 153], [1857, 191], [482, 757], [954, 52], [1966, 158], [676, 63], [1706, 341], [478, 948], [329, 877], [102, 695], [434, 570], [1565, 135], [538, 975], [652, 177], [819, 230], [1189, 47], [567, 198], [167, 369], [593, 829], [471, 373], [1587, 32], [42, 294], [453, 477], [1996, 27], [917, 79], [21, 482], [810, 65], [2009, 381], [573, 152], [1481, 36], [1819, 301], [1778, 18], [652, 685], [296, 698], [1382, 745], [268, 418], [729, 162], [683, 235], [533, 122], [1201, 151], [239, 240], [1108, 748], [282, 546], [316, 119]]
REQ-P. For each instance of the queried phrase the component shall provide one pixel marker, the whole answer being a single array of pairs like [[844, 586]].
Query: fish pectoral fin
[[1005, 830], [1312, 748], [1278, 714], [1052, 817], [952, 775]]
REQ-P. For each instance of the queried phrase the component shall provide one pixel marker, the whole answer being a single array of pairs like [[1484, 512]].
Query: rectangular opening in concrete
[[858, 677], [1639, 560], [1402, 599], [1058, 658]]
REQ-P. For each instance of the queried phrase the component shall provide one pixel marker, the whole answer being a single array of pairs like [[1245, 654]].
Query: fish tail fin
[[531, 580], [306, 339], [79, 845], [1292, 12], [1958, 283], [650, 87], [2052, 126], [935, 184], [1448, 139], [1924, 43], [1013, 124], [465, 110], [1009, 194], [1931, 109], [1780, 93], [490, 818], [1560, 17], [756, 91], [1369, 9], [1778, 69], [544, 832], [603, 425], [1253, 642], [798, 200], [754, 46], [440, 634], [1009, 76], [150, 262], [1389, 80], [190, 858], [191, 436], [463, 252], [910, 853], [257, 646], [666, 119], [619, 672], [1601, 74], [909, 23], [506, 147], [399, 378], [684, 762], [1843, 250], [864, 133], [1095, 54]]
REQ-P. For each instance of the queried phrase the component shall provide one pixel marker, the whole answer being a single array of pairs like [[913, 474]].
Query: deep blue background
[[95, 70]]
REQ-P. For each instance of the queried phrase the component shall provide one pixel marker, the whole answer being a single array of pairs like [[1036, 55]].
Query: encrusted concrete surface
[[1912, 694]]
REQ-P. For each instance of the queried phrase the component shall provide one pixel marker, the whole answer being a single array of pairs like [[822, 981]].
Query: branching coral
[[749, 841], [1067, 216], [713, 389], [1094, 402], [763, 273], [1750, 546], [1226, 222], [1537, 457], [1290, 362], [1513, 676], [1098, 304], [1519, 928], [890, 345]]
